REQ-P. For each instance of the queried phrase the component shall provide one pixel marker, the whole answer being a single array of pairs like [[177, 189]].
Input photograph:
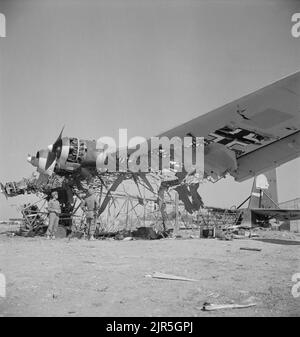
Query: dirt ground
[[107, 278]]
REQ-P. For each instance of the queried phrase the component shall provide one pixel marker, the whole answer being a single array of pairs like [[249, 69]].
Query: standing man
[[54, 211], [89, 205]]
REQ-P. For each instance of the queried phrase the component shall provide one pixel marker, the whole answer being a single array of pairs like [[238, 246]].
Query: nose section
[[3, 190], [40, 161], [33, 160]]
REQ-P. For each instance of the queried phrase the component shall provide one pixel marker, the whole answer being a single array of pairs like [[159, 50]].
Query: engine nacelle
[[72, 153]]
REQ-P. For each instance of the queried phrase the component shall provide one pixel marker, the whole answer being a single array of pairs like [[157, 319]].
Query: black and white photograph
[[150, 161]]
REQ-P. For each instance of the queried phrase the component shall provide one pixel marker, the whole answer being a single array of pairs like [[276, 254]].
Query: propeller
[[54, 150], [2, 190]]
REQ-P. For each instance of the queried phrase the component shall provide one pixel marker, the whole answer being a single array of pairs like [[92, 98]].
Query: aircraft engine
[[73, 151]]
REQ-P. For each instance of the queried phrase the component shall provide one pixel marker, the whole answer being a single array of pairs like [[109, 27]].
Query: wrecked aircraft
[[244, 138]]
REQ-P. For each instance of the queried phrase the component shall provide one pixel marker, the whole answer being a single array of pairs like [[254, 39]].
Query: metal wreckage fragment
[[70, 187]]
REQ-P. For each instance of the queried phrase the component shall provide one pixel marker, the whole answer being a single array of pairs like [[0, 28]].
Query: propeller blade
[[2, 190], [59, 137], [58, 140], [53, 155], [51, 158]]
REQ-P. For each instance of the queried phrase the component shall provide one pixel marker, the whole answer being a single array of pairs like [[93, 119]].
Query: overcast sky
[[97, 66]]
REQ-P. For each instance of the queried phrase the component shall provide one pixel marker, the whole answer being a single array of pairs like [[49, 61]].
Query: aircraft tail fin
[[264, 191]]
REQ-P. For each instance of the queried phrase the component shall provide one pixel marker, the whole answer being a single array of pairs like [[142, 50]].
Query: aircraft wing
[[258, 132], [279, 214]]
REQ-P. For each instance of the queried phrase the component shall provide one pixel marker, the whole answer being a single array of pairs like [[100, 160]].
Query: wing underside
[[261, 130]]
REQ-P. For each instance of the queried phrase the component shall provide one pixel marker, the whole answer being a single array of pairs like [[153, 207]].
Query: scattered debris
[[148, 233], [128, 238], [76, 235], [170, 277], [145, 233], [237, 236], [121, 234], [234, 232], [211, 307], [223, 235], [254, 235], [253, 249]]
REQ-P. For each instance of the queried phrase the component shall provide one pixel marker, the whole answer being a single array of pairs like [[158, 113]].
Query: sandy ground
[[107, 278]]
